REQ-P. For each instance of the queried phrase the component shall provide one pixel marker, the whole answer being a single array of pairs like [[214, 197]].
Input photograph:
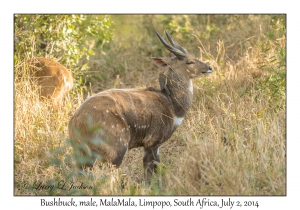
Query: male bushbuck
[[54, 79], [109, 123]]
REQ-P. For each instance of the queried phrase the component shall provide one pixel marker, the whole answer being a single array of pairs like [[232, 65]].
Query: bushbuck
[[54, 79], [109, 123]]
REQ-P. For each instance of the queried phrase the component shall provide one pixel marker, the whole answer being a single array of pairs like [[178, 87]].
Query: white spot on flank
[[191, 86], [177, 121], [131, 101], [107, 111]]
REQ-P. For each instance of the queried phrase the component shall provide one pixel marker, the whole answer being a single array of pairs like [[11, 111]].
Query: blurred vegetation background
[[94, 47], [231, 143]]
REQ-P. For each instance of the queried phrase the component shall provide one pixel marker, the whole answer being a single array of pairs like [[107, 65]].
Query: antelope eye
[[189, 62]]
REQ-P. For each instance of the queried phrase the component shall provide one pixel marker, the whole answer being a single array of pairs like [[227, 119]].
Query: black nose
[[209, 68]]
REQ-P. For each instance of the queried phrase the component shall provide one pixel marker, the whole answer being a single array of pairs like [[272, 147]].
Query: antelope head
[[181, 61]]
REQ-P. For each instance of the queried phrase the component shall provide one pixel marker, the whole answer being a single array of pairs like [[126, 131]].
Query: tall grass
[[232, 142]]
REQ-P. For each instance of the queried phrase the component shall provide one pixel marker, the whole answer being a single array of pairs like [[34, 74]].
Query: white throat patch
[[178, 121], [191, 86]]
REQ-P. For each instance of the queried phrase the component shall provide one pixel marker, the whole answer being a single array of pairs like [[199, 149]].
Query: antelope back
[[113, 121], [54, 79]]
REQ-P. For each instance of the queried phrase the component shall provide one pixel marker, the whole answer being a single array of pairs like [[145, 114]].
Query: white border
[[8, 8]]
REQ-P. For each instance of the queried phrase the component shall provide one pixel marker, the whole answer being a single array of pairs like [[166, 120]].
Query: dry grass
[[232, 141]]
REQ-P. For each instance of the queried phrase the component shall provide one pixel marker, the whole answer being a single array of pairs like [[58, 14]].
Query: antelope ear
[[163, 83], [160, 62], [171, 55]]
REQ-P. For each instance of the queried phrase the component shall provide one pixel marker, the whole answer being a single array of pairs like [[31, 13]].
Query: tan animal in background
[[54, 79], [109, 123]]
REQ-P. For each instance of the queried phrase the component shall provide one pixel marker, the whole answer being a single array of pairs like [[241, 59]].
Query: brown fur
[[113, 121], [54, 79]]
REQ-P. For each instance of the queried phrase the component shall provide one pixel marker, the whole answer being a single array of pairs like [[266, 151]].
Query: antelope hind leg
[[150, 161]]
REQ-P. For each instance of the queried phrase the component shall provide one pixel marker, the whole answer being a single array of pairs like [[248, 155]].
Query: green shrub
[[68, 38]]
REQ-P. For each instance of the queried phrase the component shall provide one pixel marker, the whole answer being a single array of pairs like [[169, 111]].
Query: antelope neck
[[181, 92]]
